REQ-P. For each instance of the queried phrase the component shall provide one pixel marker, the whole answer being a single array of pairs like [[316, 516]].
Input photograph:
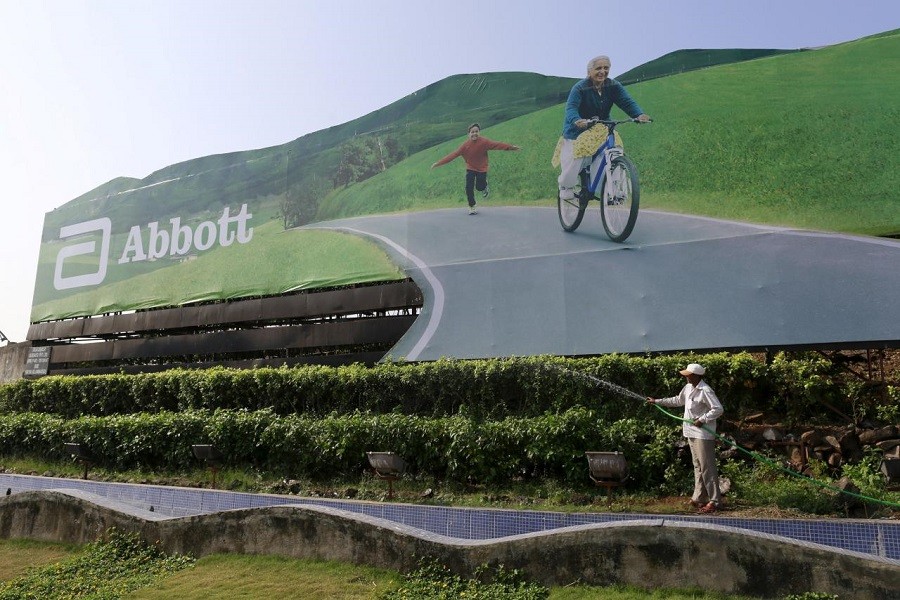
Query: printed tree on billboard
[[301, 201], [362, 158]]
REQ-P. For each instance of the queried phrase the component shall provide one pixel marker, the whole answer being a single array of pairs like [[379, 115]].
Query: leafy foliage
[[457, 448], [612, 385], [107, 570], [301, 201], [866, 474], [362, 158], [889, 411], [760, 484], [434, 581], [484, 421]]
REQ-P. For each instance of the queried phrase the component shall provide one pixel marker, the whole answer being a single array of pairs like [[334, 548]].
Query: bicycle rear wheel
[[619, 199], [571, 212]]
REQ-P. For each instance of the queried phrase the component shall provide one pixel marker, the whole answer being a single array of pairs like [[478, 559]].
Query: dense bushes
[[487, 389], [455, 447], [487, 421], [434, 581]]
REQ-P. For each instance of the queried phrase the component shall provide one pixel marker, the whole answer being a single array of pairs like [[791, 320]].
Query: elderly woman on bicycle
[[593, 96]]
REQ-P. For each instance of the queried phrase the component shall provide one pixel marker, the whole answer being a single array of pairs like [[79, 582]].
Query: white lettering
[[176, 241], [226, 236], [244, 235], [205, 236], [134, 244], [104, 226], [181, 239], [182, 236], [159, 242]]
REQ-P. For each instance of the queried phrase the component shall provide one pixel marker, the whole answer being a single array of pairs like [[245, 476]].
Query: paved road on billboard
[[510, 282]]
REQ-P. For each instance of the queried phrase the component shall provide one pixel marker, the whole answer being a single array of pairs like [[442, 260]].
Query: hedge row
[[489, 389], [455, 448]]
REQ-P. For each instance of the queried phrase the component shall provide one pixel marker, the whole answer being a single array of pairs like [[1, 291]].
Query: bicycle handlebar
[[595, 120]]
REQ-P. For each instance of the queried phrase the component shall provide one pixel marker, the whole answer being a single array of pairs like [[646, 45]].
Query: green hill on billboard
[[805, 139], [418, 121], [682, 61]]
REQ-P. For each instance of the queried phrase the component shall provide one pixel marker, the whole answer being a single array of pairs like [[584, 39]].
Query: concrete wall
[[12, 361], [648, 554]]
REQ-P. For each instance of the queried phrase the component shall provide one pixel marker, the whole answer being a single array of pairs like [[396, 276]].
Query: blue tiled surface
[[878, 538]]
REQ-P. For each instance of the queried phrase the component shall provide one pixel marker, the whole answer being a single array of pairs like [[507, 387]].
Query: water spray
[[621, 391], [597, 382]]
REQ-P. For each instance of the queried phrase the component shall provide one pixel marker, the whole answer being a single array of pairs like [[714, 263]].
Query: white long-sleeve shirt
[[699, 402]]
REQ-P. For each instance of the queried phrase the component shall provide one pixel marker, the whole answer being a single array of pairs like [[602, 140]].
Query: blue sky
[[91, 90]]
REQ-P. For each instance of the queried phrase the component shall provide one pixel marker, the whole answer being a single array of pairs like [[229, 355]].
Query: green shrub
[[762, 484], [802, 385], [480, 421], [109, 569], [889, 411], [612, 385], [866, 474], [457, 447], [433, 581]]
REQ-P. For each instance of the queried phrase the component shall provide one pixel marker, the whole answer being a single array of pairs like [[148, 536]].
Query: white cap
[[693, 369]]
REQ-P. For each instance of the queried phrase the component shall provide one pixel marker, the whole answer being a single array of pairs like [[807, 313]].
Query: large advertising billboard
[[746, 219]]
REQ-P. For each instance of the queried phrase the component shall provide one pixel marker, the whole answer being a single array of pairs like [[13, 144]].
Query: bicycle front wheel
[[571, 211], [620, 199]]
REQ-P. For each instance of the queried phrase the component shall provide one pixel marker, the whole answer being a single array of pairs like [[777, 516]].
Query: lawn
[[230, 576]]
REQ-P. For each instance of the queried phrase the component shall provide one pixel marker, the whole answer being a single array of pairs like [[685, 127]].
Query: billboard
[[744, 225]]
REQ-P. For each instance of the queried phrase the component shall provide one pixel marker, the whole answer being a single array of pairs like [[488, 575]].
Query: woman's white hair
[[595, 60]]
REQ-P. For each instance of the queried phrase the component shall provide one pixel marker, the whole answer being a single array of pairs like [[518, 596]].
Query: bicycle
[[617, 178]]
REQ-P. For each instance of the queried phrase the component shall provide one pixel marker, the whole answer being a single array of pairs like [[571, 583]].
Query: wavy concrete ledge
[[645, 553]]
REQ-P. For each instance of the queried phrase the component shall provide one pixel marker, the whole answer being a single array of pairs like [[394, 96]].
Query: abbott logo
[[153, 244], [104, 226]]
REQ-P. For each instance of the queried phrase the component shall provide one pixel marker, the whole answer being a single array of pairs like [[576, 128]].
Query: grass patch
[[17, 557], [105, 569], [622, 592], [228, 576], [266, 577], [432, 581]]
